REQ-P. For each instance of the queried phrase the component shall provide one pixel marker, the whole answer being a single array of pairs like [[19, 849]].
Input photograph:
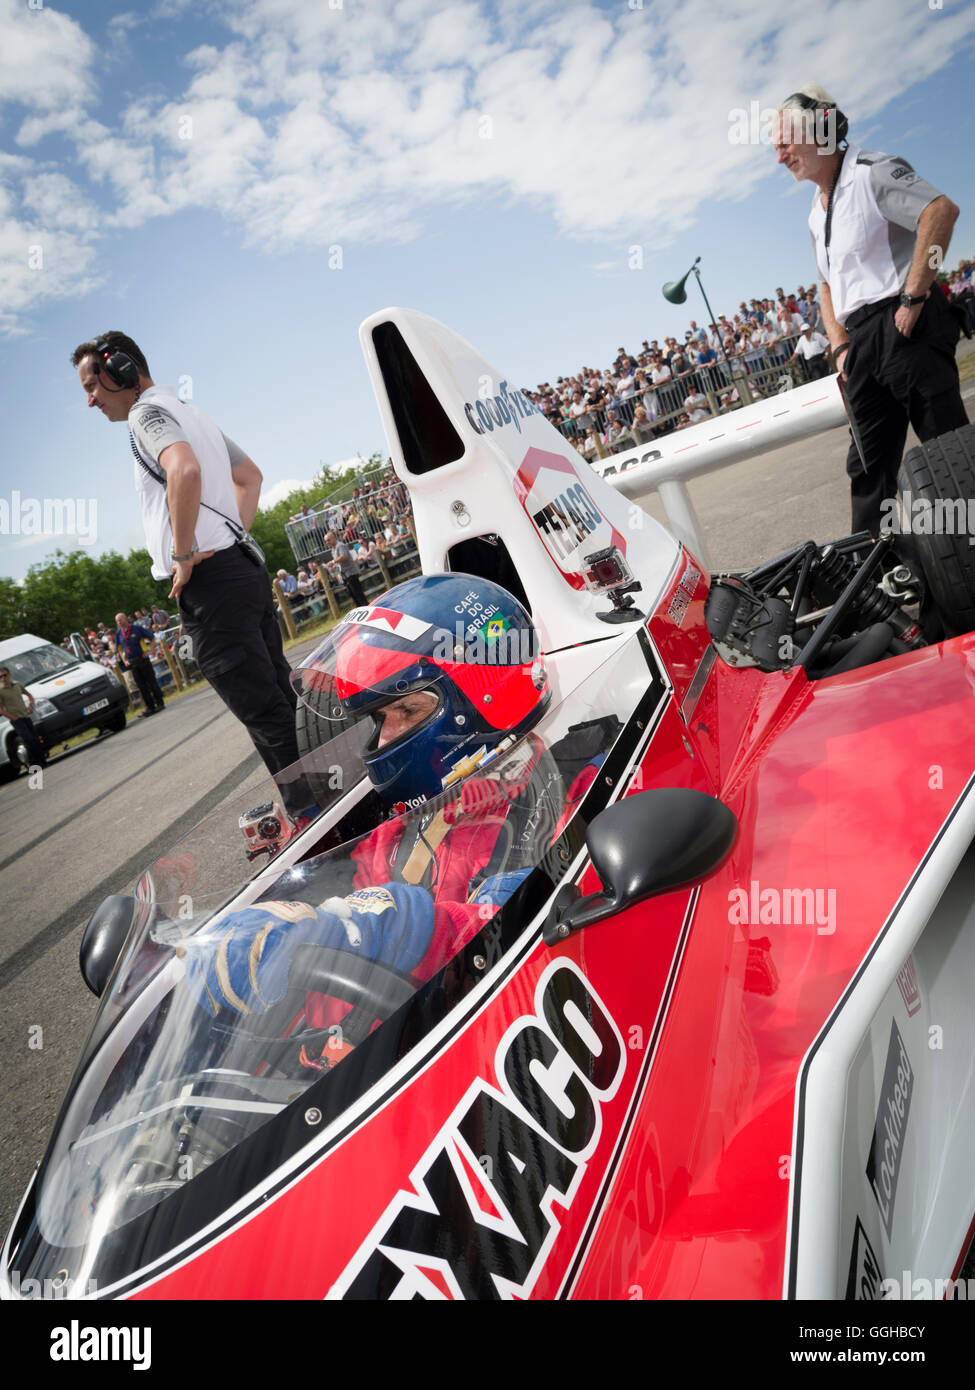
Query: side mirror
[[103, 939], [647, 844]]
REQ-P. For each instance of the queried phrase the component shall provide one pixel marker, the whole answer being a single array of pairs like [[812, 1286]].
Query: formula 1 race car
[[694, 1025]]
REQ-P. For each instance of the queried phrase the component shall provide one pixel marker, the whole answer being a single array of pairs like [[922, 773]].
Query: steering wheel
[[374, 990], [361, 982]]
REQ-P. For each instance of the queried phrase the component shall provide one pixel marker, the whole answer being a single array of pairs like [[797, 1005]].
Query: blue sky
[[238, 183]]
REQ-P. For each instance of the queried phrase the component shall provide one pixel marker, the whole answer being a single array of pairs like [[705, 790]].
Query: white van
[[71, 693]]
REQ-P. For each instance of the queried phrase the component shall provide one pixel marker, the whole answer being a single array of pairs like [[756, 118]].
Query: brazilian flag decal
[[495, 628]]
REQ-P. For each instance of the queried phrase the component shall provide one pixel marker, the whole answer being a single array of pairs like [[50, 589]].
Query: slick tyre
[[942, 473]]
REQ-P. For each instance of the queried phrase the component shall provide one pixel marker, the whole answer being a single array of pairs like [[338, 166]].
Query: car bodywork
[[752, 1080]]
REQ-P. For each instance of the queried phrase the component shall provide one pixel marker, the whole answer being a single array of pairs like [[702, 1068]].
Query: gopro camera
[[266, 829], [606, 572]]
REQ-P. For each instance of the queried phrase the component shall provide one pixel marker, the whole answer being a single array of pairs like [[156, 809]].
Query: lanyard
[[829, 205]]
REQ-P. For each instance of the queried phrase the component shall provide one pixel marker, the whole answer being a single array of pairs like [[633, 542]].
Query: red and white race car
[[717, 1043]]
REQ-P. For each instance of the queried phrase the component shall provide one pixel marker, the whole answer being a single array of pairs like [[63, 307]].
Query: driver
[[447, 670]]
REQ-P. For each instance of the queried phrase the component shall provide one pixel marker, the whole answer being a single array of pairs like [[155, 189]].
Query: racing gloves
[[243, 962]]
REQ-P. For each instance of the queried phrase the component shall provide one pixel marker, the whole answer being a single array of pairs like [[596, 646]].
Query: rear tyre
[[941, 473]]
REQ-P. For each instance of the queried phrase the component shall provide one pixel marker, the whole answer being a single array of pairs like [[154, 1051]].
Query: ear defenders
[[118, 366], [807, 103]]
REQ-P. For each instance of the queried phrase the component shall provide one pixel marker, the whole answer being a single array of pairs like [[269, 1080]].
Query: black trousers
[[356, 592], [145, 679], [893, 382], [35, 753], [228, 613]]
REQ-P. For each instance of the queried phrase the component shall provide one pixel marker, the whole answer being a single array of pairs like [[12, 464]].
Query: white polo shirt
[[876, 207], [812, 345], [159, 418]]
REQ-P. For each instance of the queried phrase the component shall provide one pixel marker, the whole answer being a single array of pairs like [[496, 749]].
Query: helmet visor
[[374, 656], [377, 654]]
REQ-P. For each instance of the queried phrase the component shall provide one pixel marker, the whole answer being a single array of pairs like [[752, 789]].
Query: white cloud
[[39, 263], [45, 58], [58, 204], [277, 492], [121, 24], [313, 124]]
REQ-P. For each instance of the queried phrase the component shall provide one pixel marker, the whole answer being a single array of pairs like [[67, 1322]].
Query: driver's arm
[[243, 962]]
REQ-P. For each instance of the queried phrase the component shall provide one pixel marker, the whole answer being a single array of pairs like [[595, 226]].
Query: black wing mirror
[[104, 937], [646, 844]]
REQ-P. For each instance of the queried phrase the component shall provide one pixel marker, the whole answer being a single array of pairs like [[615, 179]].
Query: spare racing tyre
[[941, 473]]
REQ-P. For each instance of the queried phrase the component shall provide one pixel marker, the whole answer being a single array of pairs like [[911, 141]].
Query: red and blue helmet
[[464, 645]]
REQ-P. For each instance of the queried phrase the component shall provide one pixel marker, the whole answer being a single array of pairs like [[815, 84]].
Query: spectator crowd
[[674, 383], [670, 384], [375, 519]]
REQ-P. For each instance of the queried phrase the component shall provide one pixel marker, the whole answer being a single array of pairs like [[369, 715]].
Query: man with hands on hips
[[880, 233], [199, 493]]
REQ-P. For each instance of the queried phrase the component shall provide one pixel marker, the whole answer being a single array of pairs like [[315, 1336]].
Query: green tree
[[70, 591], [11, 595]]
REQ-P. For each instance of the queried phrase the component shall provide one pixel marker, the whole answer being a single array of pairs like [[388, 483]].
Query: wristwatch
[[907, 302], [188, 556]]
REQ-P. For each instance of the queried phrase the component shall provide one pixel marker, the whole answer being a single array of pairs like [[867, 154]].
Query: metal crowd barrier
[[379, 573], [668, 463], [368, 515], [746, 378]]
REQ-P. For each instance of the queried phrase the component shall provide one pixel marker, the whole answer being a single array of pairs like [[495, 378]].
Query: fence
[[379, 572], [670, 463], [364, 516], [716, 388]]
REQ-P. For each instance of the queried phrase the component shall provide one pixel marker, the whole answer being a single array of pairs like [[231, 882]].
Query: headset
[[117, 365], [808, 103]]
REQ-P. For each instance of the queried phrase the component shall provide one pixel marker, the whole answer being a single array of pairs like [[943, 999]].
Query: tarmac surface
[[107, 810]]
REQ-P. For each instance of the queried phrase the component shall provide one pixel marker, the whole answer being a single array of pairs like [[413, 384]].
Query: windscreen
[[242, 998], [38, 663]]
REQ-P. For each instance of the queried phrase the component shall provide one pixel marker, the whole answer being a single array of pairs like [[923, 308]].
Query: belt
[[867, 311]]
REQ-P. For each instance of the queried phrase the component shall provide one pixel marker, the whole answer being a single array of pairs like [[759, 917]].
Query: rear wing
[[496, 489]]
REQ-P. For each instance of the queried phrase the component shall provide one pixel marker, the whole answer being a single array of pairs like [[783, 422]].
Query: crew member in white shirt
[[198, 491], [813, 349], [879, 233]]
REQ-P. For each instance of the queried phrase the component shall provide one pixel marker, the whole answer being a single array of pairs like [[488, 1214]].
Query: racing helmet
[[458, 653]]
